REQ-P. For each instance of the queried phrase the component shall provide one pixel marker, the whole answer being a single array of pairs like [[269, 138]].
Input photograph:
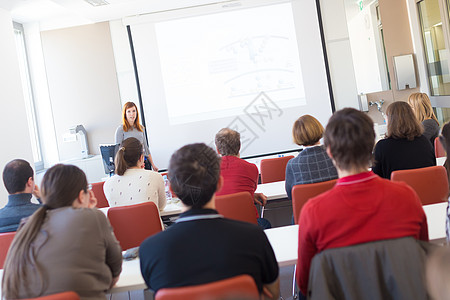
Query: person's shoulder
[[119, 128]]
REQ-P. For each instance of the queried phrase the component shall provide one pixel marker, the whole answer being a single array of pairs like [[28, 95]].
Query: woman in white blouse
[[132, 184]]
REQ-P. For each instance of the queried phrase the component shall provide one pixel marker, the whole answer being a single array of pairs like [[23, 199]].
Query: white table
[[440, 161], [284, 241], [436, 216], [273, 190]]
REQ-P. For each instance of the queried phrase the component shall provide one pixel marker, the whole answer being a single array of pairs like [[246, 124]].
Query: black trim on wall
[[136, 76], [325, 56]]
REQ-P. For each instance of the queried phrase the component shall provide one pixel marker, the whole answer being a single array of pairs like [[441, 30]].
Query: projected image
[[213, 66]]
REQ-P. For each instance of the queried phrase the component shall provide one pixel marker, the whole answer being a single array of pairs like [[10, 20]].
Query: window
[[28, 96]]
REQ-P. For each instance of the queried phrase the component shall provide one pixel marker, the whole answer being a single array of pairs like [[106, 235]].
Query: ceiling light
[[97, 2]]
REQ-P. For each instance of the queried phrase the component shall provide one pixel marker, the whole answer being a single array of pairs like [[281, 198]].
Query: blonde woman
[[421, 105]]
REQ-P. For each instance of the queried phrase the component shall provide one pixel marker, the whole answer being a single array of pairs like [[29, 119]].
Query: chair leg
[[294, 285]]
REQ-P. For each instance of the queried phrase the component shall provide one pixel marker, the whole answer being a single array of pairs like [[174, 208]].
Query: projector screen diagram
[[215, 65]]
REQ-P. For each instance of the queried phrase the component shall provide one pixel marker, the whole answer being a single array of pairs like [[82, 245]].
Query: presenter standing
[[132, 128]]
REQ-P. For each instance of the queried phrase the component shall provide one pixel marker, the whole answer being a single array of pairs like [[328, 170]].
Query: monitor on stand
[[108, 153]]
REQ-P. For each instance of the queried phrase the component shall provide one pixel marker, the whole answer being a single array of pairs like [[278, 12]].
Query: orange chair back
[[238, 287], [59, 296], [132, 224], [6, 239], [439, 150], [238, 206], [303, 192], [97, 188], [274, 169], [430, 184]]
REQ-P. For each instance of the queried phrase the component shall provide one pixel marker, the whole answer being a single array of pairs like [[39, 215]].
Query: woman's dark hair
[[350, 137], [128, 155], [194, 171], [60, 187], [444, 138], [402, 123]]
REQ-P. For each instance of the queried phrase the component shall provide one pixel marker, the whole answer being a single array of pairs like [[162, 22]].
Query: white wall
[[14, 135], [339, 54], [83, 85]]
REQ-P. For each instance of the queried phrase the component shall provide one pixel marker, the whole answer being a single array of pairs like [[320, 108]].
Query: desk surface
[[436, 218]]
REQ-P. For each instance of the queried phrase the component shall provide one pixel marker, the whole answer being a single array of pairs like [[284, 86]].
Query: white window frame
[[28, 97]]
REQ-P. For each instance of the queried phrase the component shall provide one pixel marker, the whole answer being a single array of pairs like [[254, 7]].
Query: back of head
[[401, 122], [350, 137], [307, 131], [228, 142], [421, 105], [128, 155], [61, 185], [16, 174], [194, 171]]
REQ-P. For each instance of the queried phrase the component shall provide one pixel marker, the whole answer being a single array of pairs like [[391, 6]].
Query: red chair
[[6, 239], [439, 150], [303, 192], [238, 287], [430, 184], [132, 224], [97, 188], [274, 169], [59, 296], [238, 206]]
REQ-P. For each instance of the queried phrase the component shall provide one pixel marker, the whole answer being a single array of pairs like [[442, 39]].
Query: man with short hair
[[238, 174], [202, 246], [362, 207], [19, 182]]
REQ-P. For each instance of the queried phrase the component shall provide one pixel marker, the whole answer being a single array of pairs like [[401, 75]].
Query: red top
[[360, 208], [238, 176]]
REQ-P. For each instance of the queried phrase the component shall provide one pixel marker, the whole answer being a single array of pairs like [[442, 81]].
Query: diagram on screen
[[215, 65]]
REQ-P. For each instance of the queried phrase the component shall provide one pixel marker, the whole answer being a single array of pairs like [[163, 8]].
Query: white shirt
[[135, 186]]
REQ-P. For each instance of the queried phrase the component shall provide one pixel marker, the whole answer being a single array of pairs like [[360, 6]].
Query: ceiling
[[53, 14]]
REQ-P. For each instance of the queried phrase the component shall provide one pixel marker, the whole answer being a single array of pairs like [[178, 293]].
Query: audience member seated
[[362, 207], [444, 138], [202, 246], [405, 147], [132, 184], [312, 164], [19, 182], [421, 105], [238, 174], [65, 245]]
